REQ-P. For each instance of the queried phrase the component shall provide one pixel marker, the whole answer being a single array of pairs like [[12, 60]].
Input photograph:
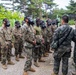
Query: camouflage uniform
[[28, 38], [49, 37], [44, 32], [74, 53], [62, 51], [6, 51], [38, 52], [2, 46], [18, 44]]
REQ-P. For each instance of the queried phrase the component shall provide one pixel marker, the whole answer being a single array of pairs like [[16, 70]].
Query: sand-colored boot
[[36, 64], [10, 63], [4, 66]]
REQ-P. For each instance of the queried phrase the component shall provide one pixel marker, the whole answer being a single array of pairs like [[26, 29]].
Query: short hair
[[65, 18]]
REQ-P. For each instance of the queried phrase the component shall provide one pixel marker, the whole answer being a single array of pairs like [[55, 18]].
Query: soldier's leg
[[40, 55], [65, 65], [9, 54], [74, 59], [20, 49], [44, 51], [48, 47], [35, 56], [56, 65], [28, 62], [16, 45], [4, 57]]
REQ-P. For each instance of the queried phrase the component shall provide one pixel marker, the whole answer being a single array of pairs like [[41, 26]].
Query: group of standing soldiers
[[34, 39]]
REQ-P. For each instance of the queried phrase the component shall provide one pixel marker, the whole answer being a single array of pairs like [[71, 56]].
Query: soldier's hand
[[12, 44], [34, 42]]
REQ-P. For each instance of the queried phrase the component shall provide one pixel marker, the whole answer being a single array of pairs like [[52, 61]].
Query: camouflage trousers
[[6, 53], [18, 47], [38, 52], [48, 43], [28, 62], [64, 65], [74, 54]]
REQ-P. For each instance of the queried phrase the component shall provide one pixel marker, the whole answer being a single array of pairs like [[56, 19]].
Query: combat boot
[[10, 63], [36, 64], [20, 56], [45, 55], [41, 60], [4, 66], [32, 70], [25, 73], [17, 58], [54, 74]]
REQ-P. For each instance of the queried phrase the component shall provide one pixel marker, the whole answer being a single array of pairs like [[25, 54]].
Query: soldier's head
[[43, 25], [65, 19], [17, 24], [38, 21], [48, 22], [26, 19], [6, 22]]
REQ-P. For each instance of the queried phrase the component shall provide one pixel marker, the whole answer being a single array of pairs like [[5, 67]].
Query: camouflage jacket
[[64, 48], [60, 34], [49, 33], [2, 40], [7, 33], [28, 35], [17, 32]]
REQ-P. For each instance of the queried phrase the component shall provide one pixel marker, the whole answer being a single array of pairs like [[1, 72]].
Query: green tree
[[72, 7]]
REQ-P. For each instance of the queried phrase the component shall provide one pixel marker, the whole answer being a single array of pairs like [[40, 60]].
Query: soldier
[[74, 53], [29, 42], [39, 40], [44, 33], [49, 35], [2, 49], [18, 44], [54, 26], [62, 46], [7, 35]]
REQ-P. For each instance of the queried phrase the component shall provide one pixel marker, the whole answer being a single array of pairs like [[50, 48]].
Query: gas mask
[[17, 24], [6, 23]]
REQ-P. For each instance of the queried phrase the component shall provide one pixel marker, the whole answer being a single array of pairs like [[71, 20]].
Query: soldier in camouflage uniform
[[49, 35], [38, 52], [44, 33], [7, 35], [18, 43], [74, 53], [3, 49], [62, 46], [29, 42]]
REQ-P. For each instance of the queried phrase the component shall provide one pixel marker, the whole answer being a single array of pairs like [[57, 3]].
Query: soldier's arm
[[55, 39], [74, 36]]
